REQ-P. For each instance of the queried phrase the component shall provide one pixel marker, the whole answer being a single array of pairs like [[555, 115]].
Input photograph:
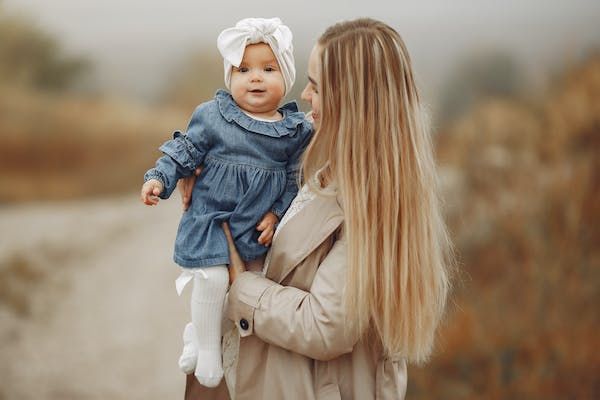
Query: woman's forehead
[[314, 60]]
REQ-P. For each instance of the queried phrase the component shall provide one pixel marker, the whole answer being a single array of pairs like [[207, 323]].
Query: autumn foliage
[[523, 199]]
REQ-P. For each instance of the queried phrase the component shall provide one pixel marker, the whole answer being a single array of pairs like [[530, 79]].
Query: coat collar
[[302, 234], [287, 126]]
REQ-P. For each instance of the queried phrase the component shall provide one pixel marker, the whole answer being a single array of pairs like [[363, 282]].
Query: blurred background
[[89, 90]]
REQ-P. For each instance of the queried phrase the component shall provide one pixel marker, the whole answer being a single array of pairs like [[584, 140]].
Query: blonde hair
[[374, 144]]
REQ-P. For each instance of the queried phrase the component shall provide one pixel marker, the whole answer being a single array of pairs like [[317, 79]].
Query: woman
[[357, 278]]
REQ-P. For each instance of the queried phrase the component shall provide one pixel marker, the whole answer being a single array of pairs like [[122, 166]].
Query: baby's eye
[[270, 68], [243, 69]]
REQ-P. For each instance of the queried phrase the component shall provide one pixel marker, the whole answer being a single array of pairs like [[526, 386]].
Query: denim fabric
[[250, 167]]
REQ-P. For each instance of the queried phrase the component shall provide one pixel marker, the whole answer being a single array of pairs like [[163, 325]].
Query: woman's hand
[[237, 265], [267, 227], [185, 186]]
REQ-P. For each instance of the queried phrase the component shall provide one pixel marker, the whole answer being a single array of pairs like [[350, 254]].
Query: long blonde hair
[[375, 145]]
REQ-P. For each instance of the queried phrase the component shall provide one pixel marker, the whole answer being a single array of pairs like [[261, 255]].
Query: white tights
[[202, 337]]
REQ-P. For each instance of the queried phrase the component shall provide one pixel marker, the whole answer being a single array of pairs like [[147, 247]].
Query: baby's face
[[257, 85]]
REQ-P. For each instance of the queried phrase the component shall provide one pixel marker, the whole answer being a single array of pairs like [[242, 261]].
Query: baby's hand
[[267, 227], [150, 191]]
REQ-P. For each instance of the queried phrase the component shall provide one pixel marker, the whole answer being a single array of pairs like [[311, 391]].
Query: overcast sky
[[135, 42]]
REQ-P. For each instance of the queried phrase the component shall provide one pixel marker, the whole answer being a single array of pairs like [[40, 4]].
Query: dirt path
[[89, 309]]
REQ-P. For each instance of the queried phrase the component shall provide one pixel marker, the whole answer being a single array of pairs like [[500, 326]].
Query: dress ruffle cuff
[[182, 150]]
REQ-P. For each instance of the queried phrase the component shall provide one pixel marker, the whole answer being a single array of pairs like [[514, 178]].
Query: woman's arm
[[236, 264], [311, 323]]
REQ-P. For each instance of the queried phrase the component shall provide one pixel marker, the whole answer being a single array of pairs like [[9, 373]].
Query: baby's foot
[[189, 354], [209, 368]]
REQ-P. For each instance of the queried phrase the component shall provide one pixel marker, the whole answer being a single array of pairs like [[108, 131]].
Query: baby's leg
[[256, 265], [208, 295]]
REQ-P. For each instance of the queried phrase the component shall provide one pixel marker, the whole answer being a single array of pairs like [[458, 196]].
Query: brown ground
[[88, 308]]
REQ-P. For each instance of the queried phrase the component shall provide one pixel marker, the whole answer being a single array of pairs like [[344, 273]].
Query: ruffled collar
[[285, 126]]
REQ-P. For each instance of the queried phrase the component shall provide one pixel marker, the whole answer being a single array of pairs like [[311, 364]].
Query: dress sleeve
[[182, 154], [311, 323], [292, 170]]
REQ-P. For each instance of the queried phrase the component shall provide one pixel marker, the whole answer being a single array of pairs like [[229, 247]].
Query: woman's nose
[[305, 95]]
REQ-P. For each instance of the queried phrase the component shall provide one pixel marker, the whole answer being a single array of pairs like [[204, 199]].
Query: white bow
[[232, 43], [186, 276]]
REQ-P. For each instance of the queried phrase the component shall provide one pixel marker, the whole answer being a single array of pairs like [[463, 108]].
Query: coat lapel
[[302, 234]]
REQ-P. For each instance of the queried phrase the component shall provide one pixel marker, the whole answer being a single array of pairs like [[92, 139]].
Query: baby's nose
[[256, 76]]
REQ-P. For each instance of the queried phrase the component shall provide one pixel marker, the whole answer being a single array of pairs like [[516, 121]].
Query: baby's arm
[[182, 154], [292, 168]]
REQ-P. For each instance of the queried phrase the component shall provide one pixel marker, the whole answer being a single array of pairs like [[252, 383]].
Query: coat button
[[244, 324]]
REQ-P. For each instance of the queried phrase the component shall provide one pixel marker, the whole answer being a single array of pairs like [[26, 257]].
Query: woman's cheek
[[316, 121]]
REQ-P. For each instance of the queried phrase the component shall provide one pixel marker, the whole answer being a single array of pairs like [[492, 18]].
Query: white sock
[[208, 296], [189, 354]]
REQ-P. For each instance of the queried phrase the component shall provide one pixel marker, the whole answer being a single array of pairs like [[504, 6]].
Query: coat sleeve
[[311, 323]]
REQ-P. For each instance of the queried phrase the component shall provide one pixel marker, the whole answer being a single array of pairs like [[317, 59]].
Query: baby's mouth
[[257, 91]]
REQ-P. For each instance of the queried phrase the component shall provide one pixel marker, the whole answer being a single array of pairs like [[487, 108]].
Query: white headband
[[233, 41]]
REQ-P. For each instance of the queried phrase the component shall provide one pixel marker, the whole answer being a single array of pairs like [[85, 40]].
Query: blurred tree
[[522, 193], [490, 74], [34, 58], [196, 80]]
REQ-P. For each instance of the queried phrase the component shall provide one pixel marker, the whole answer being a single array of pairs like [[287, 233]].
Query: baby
[[250, 150]]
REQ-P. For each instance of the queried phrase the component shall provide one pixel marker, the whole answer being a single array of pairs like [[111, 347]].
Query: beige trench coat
[[293, 341]]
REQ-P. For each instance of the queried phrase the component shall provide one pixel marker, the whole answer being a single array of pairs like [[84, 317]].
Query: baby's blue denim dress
[[250, 167]]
